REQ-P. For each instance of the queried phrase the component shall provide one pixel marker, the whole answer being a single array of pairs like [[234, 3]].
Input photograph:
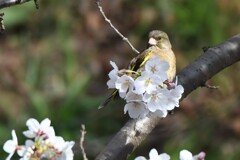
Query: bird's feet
[[170, 84]]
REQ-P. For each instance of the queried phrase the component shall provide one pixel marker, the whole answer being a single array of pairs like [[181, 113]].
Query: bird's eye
[[158, 38]]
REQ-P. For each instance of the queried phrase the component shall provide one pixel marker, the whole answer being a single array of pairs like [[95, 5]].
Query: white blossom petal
[[160, 113], [200, 156], [10, 146], [153, 154], [113, 64], [124, 83], [156, 100], [164, 156], [113, 75], [140, 158], [26, 149], [177, 91], [147, 82], [136, 109], [157, 67], [133, 97], [185, 155], [34, 128]]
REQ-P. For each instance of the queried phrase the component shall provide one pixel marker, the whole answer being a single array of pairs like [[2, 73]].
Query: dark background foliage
[[54, 63]]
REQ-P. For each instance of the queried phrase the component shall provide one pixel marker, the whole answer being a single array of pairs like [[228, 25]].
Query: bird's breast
[[168, 56]]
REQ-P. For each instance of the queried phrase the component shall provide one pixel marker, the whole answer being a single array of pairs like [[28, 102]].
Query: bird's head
[[160, 39]]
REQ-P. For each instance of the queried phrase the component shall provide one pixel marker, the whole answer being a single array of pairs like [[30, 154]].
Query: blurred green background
[[54, 63]]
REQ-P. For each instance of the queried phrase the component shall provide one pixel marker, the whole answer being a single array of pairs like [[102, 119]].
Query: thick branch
[[8, 3], [210, 63], [194, 75]]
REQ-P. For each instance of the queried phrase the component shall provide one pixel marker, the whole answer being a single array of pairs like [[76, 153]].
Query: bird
[[158, 46]]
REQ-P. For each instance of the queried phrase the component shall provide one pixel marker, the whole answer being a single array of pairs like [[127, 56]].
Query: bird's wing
[[112, 96], [140, 60]]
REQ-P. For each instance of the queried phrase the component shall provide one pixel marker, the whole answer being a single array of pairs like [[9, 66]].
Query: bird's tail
[[110, 98]]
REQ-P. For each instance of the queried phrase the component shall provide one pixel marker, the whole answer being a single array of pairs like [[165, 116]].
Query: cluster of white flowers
[[42, 143], [146, 90], [184, 155]]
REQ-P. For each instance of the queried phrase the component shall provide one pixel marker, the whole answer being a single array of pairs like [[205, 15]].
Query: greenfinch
[[159, 46]]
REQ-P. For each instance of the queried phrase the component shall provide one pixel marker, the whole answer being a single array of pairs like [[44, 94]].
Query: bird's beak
[[152, 41]]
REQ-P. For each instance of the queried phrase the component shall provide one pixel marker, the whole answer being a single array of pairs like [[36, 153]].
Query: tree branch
[[8, 3], [194, 75]]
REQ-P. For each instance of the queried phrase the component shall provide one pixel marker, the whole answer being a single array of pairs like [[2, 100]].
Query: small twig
[[205, 48], [8, 3], [83, 132], [112, 26], [36, 4], [2, 27], [209, 86]]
